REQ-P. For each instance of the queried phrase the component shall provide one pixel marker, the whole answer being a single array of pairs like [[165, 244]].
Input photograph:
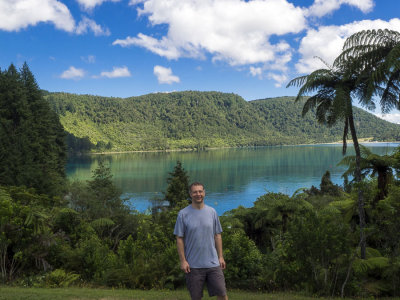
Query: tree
[[334, 90], [375, 54], [25, 232], [270, 216], [105, 200], [373, 164], [32, 151], [327, 187], [178, 185]]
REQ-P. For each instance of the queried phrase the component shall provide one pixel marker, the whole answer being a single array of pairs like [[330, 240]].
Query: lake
[[232, 177]]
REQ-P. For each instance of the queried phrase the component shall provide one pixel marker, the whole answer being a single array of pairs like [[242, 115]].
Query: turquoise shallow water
[[232, 177]]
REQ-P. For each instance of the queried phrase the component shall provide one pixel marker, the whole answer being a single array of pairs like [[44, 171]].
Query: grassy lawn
[[11, 293]]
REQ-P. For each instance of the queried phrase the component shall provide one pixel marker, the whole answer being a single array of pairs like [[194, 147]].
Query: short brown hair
[[196, 183]]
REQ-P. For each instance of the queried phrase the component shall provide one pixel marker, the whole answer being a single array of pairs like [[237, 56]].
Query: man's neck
[[198, 205]]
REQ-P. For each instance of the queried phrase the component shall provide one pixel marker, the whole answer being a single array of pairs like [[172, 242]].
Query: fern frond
[[298, 81], [102, 222]]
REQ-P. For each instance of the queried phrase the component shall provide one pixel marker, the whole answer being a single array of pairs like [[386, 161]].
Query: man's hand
[[181, 252], [222, 263], [185, 266]]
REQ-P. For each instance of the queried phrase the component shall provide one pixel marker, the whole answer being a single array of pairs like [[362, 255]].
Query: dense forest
[[197, 120], [32, 147]]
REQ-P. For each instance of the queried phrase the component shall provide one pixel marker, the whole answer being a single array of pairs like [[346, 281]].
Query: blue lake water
[[232, 177]]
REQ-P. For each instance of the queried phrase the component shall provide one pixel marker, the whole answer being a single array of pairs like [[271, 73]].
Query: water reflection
[[232, 177]]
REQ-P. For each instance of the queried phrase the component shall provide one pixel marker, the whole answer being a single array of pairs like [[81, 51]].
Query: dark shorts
[[214, 277]]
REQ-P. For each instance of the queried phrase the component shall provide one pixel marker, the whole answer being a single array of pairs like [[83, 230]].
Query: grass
[[16, 293]]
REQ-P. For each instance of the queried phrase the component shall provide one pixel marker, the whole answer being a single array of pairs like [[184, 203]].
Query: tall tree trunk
[[357, 175], [383, 178]]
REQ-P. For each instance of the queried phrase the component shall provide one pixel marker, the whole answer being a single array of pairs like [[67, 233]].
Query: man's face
[[197, 193]]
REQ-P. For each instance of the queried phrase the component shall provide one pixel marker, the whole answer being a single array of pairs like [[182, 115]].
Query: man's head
[[197, 192]]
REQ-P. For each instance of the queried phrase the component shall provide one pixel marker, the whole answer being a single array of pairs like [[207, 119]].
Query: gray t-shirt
[[198, 228]]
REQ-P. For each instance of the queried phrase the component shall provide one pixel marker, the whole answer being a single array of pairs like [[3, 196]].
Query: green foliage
[[100, 198], [25, 232], [375, 54], [78, 145], [373, 164], [244, 260], [281, 243], [326, 187], [268, 219], [198, 120], [32, 149], [60, 278], [322, 242], [178, 185]]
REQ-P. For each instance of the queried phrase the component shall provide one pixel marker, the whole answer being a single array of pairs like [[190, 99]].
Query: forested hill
[[198, 120]]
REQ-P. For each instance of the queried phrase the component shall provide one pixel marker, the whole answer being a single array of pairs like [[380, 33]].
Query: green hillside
[[199, 120]]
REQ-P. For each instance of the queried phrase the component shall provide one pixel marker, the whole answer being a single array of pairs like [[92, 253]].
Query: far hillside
[[198, 120]]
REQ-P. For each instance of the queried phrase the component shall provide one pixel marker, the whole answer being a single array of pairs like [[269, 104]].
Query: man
[[199, 243]]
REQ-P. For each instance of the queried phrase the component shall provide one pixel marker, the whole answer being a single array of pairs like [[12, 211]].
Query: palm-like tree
[[373, 164], [375, 55], [334, 89]]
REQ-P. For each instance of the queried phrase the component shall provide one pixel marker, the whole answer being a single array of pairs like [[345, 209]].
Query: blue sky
[[126, 48]]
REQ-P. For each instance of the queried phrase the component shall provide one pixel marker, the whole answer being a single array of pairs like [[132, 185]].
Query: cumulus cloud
[[237, 32], [73, 73], [90, 4], [326, 42], [163, 47], [233, 31], [279, 78], [321, 8], [116, 72], [164, 75], [87, 24], [393, 117], [256, 71], [19, 14]]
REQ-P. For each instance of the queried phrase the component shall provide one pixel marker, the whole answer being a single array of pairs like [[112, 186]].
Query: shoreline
[[349, 142]]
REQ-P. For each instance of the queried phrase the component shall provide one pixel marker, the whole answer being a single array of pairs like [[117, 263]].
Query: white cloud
[[116, 72], [19, 14], [234, 31], [90, 59], [393, 117], [243, 32], [162, 47], [164, 75], [88, 24], [327, 42], [324, 7], [256, 71], [90, 4], [73, 73], [279, 79], [134, 2]]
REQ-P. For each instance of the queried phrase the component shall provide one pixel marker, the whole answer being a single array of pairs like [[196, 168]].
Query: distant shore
[[361, 141]]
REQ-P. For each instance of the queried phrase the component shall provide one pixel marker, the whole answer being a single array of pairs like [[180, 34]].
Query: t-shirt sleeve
[[179, 229], [217, 224]]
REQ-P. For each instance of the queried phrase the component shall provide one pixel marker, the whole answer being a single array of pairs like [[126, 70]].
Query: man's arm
[[181, 252], [218, 246]]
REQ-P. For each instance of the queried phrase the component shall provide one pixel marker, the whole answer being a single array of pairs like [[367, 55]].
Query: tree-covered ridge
[[285, 115], [198, 120]]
